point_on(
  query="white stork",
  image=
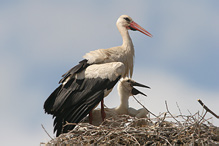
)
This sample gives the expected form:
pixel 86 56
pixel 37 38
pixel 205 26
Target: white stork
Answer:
pixel 86 84
pixel 125 89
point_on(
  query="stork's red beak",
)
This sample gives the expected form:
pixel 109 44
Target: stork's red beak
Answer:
pixel 134 26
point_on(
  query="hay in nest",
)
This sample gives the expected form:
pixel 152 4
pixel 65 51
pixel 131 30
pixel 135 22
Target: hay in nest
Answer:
pixel 164 129
pixel 126 130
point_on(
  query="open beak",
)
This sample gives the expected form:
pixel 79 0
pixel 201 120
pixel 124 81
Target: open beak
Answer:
pixel 139 85
pixel 134 26
pixel 135 91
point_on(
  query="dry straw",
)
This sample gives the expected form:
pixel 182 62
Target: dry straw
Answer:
pixel 164 129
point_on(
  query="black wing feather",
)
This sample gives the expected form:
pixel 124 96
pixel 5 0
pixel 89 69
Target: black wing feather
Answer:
pixel 76 69
pixel 79 104
pixel 49 104
pixel 75 98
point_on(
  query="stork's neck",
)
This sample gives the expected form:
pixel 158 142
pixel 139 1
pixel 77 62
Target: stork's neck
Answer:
pixel 127 50
pixel 124 104
pixel 127 41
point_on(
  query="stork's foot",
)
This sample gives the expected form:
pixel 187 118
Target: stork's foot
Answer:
pixel 90 117
pixel 103 114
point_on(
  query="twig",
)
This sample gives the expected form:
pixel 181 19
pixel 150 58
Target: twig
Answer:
pixel 46 131
pixel 181 115
pixel 164 117
pixel 171 114
pixel 207 109
pixel 203 117
pixel 133 138
pixel 118 130
pixel 202 113
pixel 102 137
pixel 69 124
pixel 165 140
pixel 160 122
pixel 144 106
pixel 178 108
pixel 192 116
pixel 207 120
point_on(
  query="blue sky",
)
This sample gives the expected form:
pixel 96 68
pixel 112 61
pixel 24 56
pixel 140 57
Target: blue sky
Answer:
pixel 41 40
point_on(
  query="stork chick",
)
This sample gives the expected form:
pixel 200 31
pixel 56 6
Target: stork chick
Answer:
pixel 125 90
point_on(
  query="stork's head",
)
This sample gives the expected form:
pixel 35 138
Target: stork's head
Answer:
pixel 127 22
pixel 126 85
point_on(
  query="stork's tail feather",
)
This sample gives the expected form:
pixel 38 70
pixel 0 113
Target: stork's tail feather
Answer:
pixel 49 103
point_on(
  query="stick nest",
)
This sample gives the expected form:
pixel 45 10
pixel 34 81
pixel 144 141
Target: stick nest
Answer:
pixel 126 130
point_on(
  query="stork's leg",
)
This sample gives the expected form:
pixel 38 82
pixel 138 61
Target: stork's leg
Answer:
pixel 90 117
pixel 103 114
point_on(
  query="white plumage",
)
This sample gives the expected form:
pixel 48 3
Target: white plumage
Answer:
pixel 125 90
pixel 86 84
pixel 124 53
pixel 109 71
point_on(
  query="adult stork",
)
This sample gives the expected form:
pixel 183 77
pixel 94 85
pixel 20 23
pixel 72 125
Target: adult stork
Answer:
pixel 86 84
pixel 126 88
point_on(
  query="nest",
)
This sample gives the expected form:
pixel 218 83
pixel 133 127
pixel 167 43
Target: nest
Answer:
pixel 165 129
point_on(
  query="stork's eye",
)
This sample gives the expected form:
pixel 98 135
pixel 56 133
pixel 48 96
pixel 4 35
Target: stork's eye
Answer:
pixel 127 19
